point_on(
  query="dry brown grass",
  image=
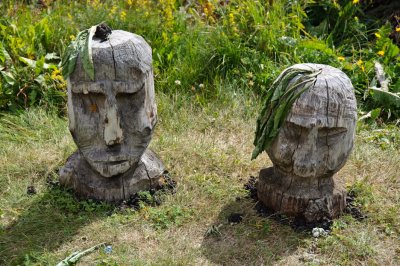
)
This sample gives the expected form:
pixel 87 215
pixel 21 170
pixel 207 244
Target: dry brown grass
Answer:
pixel 207 151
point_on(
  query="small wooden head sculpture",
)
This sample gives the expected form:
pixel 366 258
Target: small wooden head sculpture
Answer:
pixel 112 117
pixel 317 135
pixel 313 142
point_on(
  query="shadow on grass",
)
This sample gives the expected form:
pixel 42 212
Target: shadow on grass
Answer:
pixel 51 219
pixel 254 240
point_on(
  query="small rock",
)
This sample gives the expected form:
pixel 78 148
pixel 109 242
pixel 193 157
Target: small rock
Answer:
pixel 31 190
pixel 108 249
pixel 317 232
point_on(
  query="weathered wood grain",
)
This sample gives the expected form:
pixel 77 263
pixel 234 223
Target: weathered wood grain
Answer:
pixel 313 144
pixel 112 117
pixel 87 183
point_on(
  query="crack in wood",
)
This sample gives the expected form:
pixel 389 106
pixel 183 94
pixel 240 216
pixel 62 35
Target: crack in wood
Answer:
pixel 297 146
pixel 148 175
pixel 327 123
pixel 115 65
pixel 123 189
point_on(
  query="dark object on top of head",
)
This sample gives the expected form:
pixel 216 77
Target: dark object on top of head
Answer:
pixel 102 32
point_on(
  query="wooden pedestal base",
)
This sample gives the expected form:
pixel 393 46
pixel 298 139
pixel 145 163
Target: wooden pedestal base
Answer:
pixel 312 199
pixel 87 183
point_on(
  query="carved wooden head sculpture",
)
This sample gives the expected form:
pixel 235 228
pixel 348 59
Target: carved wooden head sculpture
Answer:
pixel 307 128
pixel 317 135
pixel 112 117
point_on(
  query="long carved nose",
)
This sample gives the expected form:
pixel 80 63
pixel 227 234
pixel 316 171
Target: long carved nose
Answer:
pixel 112 129
pixel 305 156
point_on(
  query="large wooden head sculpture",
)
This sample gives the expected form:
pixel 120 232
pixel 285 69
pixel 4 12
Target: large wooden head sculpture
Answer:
pixel 112 114
pixel 111 118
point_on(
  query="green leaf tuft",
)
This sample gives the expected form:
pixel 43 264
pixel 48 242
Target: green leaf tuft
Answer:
pixel 80 46
pixel 290 84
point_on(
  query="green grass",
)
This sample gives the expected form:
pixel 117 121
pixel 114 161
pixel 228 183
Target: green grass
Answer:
pixel 225 57
pixel 206 146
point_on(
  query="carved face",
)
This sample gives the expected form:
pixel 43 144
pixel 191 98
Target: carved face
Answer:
pixel 318 134
pixel 112 118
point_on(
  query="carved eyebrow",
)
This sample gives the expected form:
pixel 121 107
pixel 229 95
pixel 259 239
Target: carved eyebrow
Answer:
pixel 331 131
pixel 127 87
pixel 86 87
pixel 100 87
pixel 289 123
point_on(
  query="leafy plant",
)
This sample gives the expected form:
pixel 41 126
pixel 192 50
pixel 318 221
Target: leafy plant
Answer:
pixel 80 46
pixel 284 91
pixel 165 217
pixel 199 45
pixel 26 79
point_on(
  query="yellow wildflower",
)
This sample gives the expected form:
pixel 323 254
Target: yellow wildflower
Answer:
pixel 58 79
pixel 208 9
pixel 72 37
pixel 94 3
pixel 381 53
pixel 175 37
pixel 165 36
pixel 377 35
pixel 168 15
pixel 129 2
pixel 360 64
pixel 231 19
pixel 205 10
pixel 31 55
pixel 113 10
pixel 123 15
pixel 356 1
pixel 398 29
pixel 56 72
pixel 340 58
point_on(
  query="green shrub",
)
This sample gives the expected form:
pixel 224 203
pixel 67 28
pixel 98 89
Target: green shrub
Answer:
pixel 198 45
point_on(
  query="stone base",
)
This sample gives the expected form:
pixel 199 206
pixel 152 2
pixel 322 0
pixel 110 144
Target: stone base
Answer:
pixel 87 183
pixel 312 199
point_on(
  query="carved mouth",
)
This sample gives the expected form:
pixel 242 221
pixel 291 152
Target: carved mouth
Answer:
pixel 116 162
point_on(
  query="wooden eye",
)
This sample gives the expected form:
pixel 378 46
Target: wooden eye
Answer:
pixel 293 131
pixel 330 136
